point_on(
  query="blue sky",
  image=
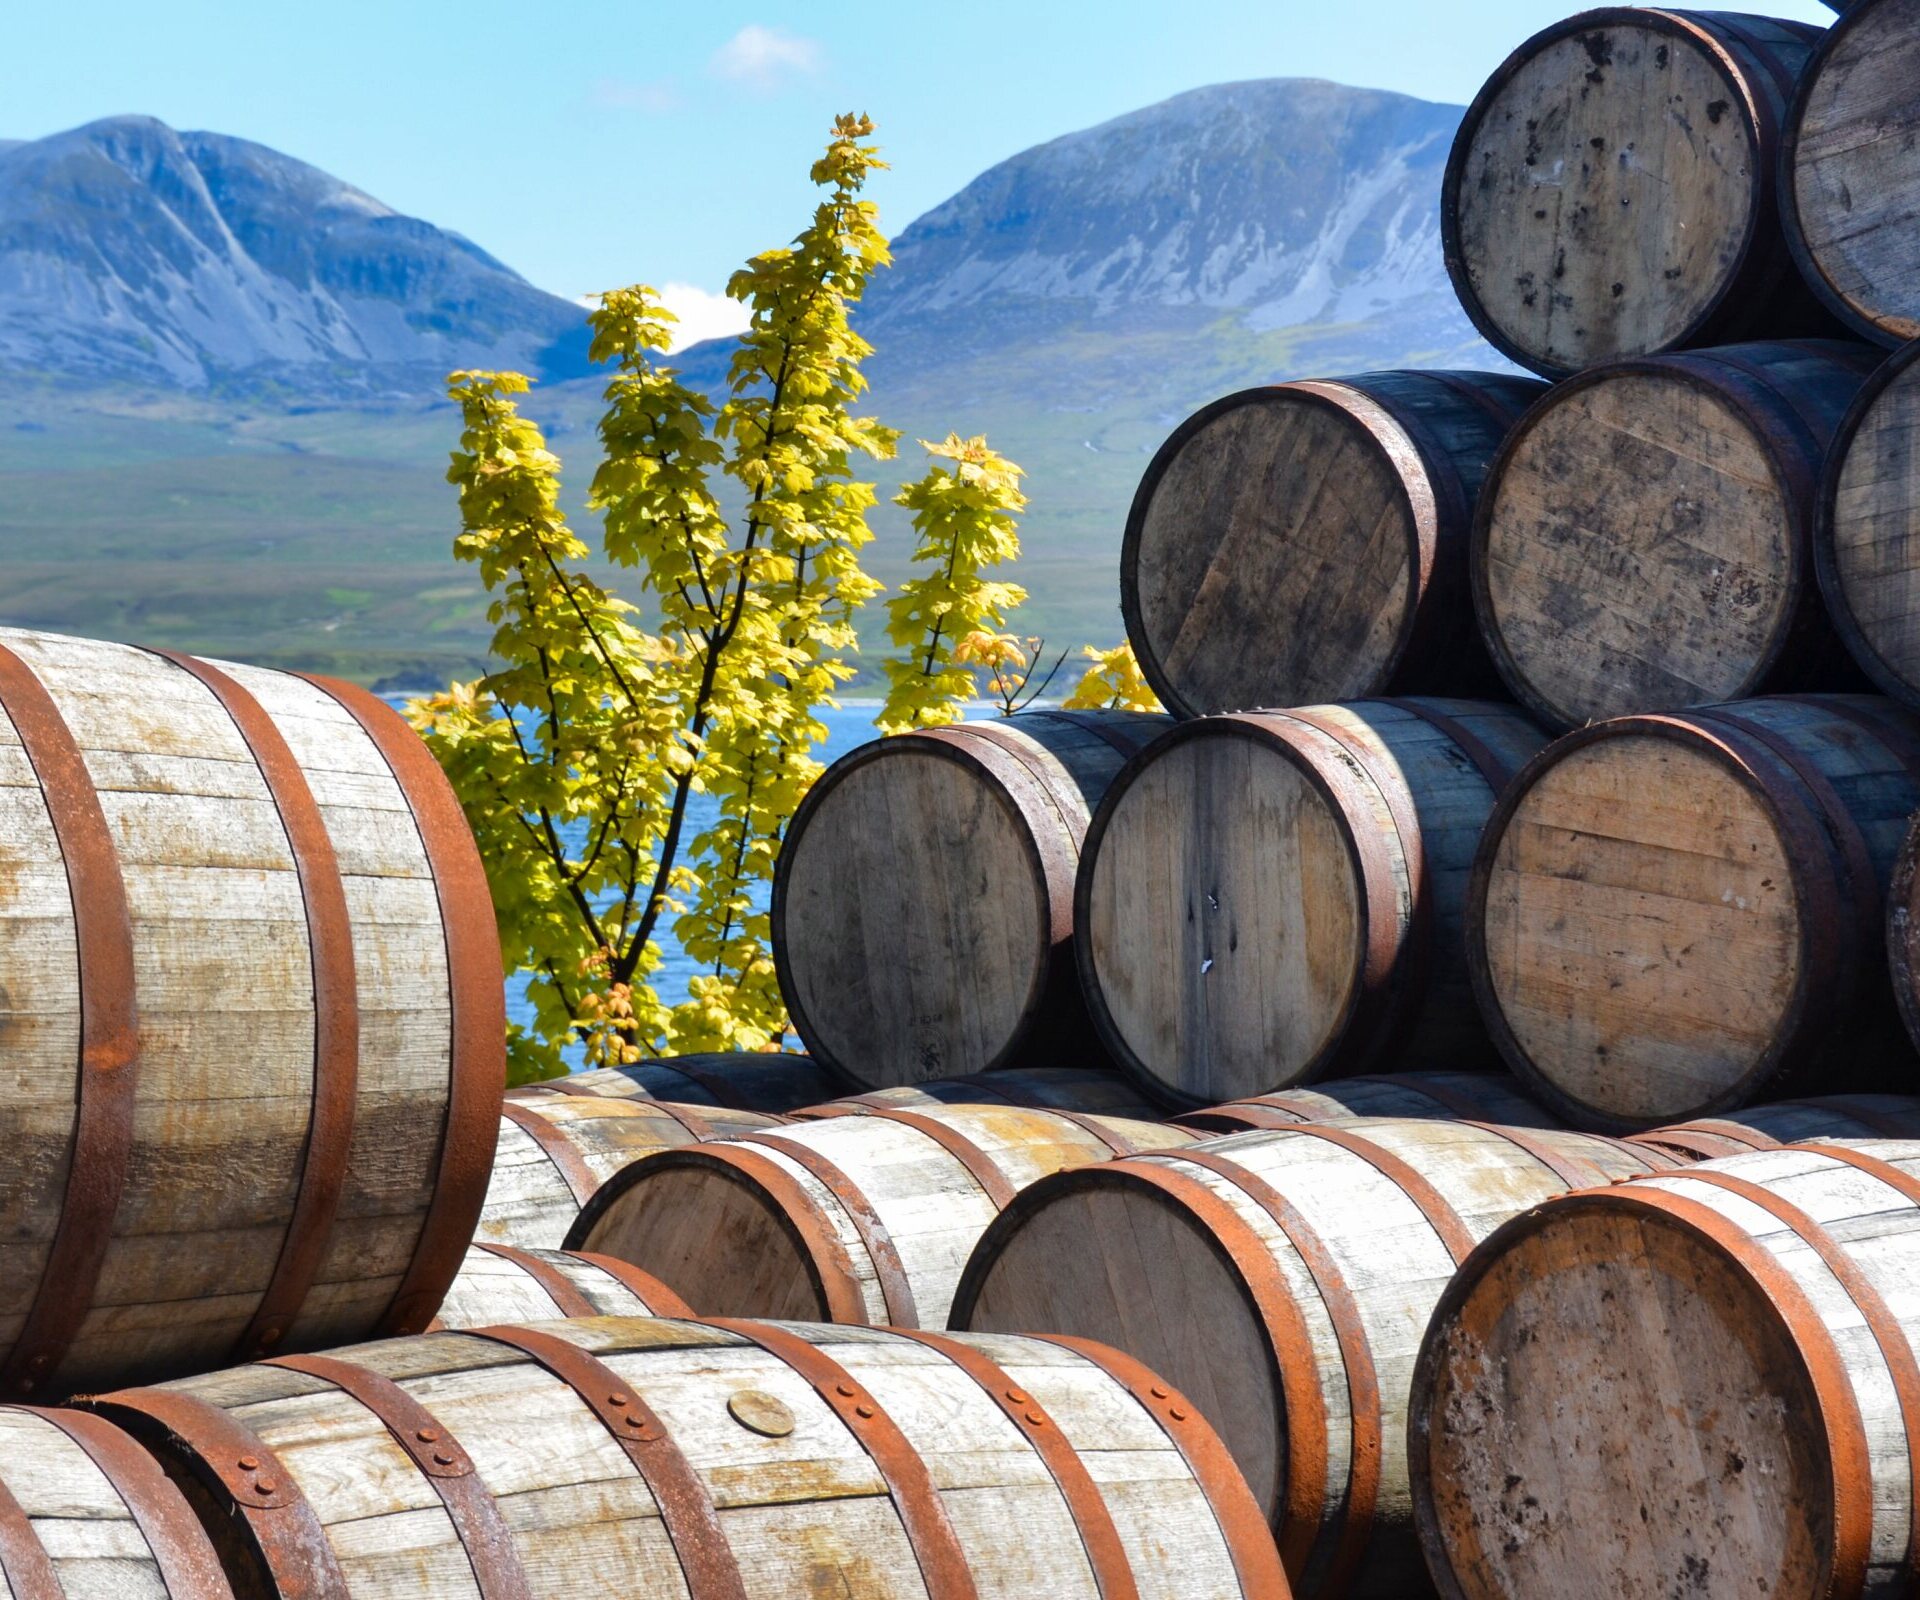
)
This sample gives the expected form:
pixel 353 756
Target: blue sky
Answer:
pixel 590 144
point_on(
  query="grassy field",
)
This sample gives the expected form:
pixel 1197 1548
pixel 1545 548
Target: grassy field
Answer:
pixel 322 539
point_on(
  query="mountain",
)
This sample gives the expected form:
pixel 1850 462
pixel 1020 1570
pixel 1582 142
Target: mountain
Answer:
pixel 261 472
pixel 133 253
pixel 1291 202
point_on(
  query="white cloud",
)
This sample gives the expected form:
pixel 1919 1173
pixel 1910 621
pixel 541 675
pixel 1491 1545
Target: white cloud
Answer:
pixel 656 99
pixel 760 56
pixel 702 313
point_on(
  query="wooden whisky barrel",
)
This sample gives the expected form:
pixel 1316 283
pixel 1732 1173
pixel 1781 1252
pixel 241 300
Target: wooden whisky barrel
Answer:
pixel 1850 198
pixel 1644 540
pixel 1611 190
pixel 1727 1344
pixel 555 1153
pixel 1446 1096
pixel 1840 1116
pixel 1048 1088
pixel 741 1081
pixel 1676 915
pixel 500 1283
pixel 86 1512
pixel 1308 541
pixel 862 1217
pixel 1281 1279
pixel 254 1017
pixel 923 904
pixel 723 1461
pixel 1867 524
pixel 1273 897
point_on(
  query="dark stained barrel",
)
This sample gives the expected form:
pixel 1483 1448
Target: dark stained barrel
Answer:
pixel 773 1082
pixel 1307 541
pixel 1611 190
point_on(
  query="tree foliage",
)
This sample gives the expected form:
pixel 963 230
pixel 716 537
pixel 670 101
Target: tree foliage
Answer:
pixel 1113 683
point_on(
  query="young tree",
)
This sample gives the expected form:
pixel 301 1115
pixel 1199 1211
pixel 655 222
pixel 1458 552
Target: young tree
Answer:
pixel 579 757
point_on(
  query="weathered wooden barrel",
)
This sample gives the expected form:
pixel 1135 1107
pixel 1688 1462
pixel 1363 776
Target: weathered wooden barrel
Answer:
pixel 1281 1279
pixel 1273 897
pixel 1677 915
pixel 863 1217
pixel 254 1018
pixel 1644 541
pixel 555 1153
pixel 86 1512
pixel 1903 930
pixel 725 1461
pixel 1698 1383
pixel 1867 527
pixel 1840 1116
pixel 923 904
pixel 1850 197
pixel 501 1283
pixel 1447 1096
pixel 1308 541
pixel 1611 190
pixel 1095 1089
pixel 741 1081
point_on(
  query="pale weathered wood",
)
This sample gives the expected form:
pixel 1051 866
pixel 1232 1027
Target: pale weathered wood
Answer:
pixel 803 1512
pixel 497 1288
pixel 1449 1096
pixel 1840 1116
pixel 1852 203
pixel 743 1240
pixel 224 995
pixel 1679 915
pixel 1677 1387
pixel 1644 539
pixel 532 1199
pixel 1182 1265
pixel 1610 190
pixel 1253 915
pixel 922 911
pixel 1308 541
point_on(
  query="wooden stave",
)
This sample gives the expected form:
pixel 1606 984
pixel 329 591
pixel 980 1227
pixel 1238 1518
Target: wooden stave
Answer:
pixel 1782 792
pixel 582 1141
pixel 1806 651
pixel 1391 986
pixel 1831 1117
pixel 1447 1096
pixel 1040 793
pixel 1323 1556
pixel 1764 293
pixel 773 1082
pixel 539 1285
pixel 1050 1378
pixel 1833 590
pixel 1099 1090
pixel 836 1229
pixel 1892 332
pixel 189 720
pixel 1686 1197
pixel 1433 652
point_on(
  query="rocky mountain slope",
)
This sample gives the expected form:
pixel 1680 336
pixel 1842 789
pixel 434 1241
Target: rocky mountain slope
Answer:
pixel 133 253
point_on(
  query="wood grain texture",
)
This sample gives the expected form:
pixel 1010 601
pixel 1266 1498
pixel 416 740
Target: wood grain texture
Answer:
pixel 796 1493
pixel 1048 1088
pixel 1732 1340
pixel 1645 538
pixel 775 1083
pixel 1867 529
pixel 1446 1096
pixel 1852 203
pixel 1678 915
pixel 923 906
pixel 224 994
pixel 1275 897
pixel 554 1152
pixel 1840 1116
pixel 505 1284
pixel 1282 1280
pixel 1307 541
pixel 1610 191
pixel 754 1229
